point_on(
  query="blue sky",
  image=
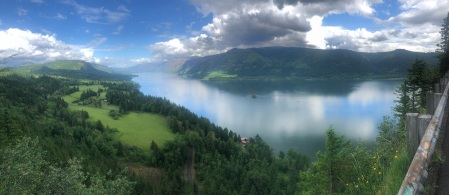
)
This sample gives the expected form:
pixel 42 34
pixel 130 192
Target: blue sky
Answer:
pixel 128 32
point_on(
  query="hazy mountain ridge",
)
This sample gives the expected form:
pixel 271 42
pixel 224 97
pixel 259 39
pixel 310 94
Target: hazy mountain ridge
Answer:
pixel 171 65
pixel 284 62
pixel 74 68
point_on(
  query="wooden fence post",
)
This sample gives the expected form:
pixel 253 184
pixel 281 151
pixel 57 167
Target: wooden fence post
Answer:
pixel 443 84
pixel 423 122
pixel 436 100
pixel 429 103
pixel 412 132
pixel 437 88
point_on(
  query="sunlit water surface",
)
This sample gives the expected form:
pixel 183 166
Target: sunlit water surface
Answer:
pixel 286 114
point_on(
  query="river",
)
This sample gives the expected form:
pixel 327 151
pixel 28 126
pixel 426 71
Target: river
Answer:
pixel 286 114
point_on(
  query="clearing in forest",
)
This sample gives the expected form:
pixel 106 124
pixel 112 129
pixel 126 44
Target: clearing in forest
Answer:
pixel 135 128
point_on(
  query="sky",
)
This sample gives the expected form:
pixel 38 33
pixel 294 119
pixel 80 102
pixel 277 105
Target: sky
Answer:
pixel 122 33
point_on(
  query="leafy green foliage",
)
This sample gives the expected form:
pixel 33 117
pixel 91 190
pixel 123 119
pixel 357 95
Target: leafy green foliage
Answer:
pixel 412 93
pixel 87 94
pixel 220 164
pixel 329 173
pixel 24 170
pixel 31 106
pixel 346 169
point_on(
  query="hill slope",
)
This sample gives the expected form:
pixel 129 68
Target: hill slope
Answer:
pixel 75 69
pixel 282 62
pixel 171 65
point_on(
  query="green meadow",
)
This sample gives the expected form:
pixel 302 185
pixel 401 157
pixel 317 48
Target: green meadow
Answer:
pixel 135 128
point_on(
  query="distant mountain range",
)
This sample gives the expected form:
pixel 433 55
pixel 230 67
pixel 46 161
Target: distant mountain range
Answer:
pixel 75 69
pixel 302 63
pixel 171 65
pixel 257 63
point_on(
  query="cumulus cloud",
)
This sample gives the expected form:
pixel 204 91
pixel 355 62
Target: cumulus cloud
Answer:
pixel 258 23
pixel 29 47
pixel 201 45
pixel 418 12
pixel 99 15
pixel 416 28
pixel 414 39
pixel 299 23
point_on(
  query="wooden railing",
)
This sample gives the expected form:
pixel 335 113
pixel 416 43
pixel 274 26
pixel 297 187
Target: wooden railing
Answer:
pixel 422 136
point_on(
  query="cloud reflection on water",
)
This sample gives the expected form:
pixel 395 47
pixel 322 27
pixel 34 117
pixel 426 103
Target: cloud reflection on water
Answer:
pixel 286 115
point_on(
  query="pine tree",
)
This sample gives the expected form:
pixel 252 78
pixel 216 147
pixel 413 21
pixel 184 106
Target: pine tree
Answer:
pixel 403 102
pixel 328 174
pixel 443 46
pixel 419 80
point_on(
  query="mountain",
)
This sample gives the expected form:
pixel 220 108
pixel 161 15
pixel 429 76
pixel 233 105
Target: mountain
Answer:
pixel 172 65
pixel 302 63
pixel 75 69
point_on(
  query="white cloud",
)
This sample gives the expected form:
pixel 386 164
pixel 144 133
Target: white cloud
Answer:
pixel 299 23
pixel 383 40
pixel 59 16
pixel 418 12
pixel 99 15
pixel 22 12
pixel 316 35
pixel 142 60
pixel 97 41
pixel 37 1
pixel 168 48
pixel 45 31
pixel 258 23
pixel 195 46
pixel 118 30
pixel 29 47
pixel 88 53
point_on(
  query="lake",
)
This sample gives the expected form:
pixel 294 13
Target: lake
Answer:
pixel 286 114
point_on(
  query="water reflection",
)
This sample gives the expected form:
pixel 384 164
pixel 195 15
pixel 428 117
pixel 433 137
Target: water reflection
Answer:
pixel 286 114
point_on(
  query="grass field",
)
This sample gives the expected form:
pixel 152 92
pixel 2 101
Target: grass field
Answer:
pixel 76 96
pixel 136 129
pixel 219 75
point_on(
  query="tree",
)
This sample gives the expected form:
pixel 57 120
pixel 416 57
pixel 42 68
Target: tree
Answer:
pixel 327 176
pixel 443 46
pixel 419 80
pixel 403 102
pixel 24 170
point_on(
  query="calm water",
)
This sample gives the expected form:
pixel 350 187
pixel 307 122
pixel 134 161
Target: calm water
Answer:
pixel 286 114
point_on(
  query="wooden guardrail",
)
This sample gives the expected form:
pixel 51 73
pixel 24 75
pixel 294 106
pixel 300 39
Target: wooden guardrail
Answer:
pixel 415 124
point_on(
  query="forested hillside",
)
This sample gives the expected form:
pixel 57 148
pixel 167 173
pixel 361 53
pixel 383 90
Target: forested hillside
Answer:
pixel 38 126
pixel 37 120
pixel 302 63
pixel 74 69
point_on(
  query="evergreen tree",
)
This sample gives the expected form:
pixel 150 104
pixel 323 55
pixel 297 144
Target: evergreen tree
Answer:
pixel 403 102
pixel 24 170
pixel 328 174
pixel 443 46
pixel 419 80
